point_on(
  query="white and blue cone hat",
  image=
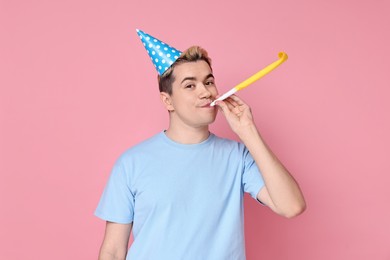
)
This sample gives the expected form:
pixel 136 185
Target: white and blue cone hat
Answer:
pixel 161 54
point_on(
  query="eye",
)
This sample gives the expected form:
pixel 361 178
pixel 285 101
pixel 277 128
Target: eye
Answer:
pixel 209 83
pixel 190 86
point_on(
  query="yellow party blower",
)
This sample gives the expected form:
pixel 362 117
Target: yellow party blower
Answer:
pixel 282 58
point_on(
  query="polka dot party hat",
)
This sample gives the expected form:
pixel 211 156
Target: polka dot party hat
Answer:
pixel 161 54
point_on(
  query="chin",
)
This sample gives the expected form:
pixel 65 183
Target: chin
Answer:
pixel 207 122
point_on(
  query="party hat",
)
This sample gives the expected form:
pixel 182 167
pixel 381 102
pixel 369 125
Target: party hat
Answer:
pixel 161 54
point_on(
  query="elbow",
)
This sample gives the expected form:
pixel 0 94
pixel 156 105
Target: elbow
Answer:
pixel 112 254
pixel 294 210
pixel 106 256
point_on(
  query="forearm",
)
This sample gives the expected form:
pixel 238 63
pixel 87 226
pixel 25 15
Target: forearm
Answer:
pixel 115 242
pixel 283 190
pixel 107 255
pixel 282 193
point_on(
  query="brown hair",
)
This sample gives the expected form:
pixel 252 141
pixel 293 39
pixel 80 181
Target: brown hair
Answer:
pixel 192 54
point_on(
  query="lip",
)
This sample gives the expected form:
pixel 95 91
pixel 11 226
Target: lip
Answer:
pixel 207 105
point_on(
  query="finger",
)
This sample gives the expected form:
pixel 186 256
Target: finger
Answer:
pixel 234 110
pixel 230 105
pixel 235 107
pixel 241 104
pixel 237 99
pixel 223 106
pixel 232 101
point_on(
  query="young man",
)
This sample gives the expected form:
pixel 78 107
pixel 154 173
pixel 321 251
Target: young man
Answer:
pixel 181 191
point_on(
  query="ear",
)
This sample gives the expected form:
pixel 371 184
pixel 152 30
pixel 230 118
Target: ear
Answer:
pixel 167 101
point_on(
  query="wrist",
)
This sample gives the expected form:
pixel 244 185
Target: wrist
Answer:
pixel 248 132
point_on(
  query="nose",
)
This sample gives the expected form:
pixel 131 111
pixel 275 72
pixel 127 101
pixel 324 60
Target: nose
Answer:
pixel 204 92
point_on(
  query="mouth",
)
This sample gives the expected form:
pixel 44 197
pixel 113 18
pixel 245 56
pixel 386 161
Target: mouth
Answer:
pixel 206 105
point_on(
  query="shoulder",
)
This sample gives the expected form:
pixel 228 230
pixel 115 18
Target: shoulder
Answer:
pixel 135 158
pixel 226 142
pixel 229 145
pixel 149 143
pixel 143 148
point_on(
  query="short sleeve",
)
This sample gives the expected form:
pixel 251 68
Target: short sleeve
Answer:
pixel 252 180
pixel 117 202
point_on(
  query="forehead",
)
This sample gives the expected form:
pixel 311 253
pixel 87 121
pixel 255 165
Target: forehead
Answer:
pixel 196 69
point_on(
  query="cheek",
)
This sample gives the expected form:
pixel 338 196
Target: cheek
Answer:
pixel 214 91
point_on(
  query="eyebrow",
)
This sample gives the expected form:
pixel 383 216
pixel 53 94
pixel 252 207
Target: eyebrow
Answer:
pixel 194 78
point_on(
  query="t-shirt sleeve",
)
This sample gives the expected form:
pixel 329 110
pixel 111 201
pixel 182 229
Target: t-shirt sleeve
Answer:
pixel 117 201
pixel 251 178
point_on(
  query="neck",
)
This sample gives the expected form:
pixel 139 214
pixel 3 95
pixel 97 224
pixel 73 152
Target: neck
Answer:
pixel 188 135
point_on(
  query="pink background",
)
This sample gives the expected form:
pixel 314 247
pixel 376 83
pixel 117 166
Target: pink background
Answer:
pixel 77 89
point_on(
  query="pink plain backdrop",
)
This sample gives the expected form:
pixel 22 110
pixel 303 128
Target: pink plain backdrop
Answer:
pixel 77 89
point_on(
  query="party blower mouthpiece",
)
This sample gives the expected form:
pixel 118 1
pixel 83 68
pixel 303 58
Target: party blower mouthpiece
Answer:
pixel 282 58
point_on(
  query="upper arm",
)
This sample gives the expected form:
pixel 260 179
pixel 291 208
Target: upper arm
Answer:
pixel 116 240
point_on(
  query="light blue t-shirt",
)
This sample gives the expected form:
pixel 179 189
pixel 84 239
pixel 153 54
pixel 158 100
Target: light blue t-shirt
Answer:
pixel 185 201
